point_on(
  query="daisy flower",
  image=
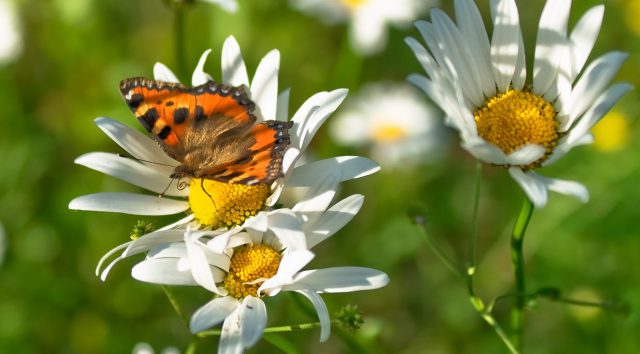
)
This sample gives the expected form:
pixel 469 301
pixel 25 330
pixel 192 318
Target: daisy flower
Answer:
pixel 401 128
pixel 481 87
pixel 150 167
pixel 368 18
pixel 252 264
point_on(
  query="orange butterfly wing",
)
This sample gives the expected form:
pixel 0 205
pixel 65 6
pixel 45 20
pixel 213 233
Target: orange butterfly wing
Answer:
pixel 209 129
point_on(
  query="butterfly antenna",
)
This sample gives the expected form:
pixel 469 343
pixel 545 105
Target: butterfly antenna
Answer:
pixel 141 160
pixel 167 187
pixel 207 193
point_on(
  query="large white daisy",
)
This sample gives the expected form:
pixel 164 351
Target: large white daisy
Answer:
pixel 243 266
pixel 368 18
pixel 399 126
pixel 233 202
pixel 481 86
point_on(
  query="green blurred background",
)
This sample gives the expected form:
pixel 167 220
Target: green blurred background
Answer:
pixel 76 52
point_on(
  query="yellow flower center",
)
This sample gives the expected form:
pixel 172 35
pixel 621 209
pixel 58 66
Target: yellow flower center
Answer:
pixel 387 133
pixel 514 119
pixel 250 266
pixel 218 204
pixel 353 4
pixel 612 132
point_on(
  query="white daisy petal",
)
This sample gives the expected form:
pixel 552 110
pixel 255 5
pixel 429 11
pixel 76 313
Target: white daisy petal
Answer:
pixel 99 271
pixel 598 109
pixel 520 74
pixel 591 84
pixel 330 103
pixel 562 148
pixel 534 188
pixel 552 34
pixel 231 336
pixel 131 171
pixel 457 53
pixel 319 196
pixel 253 316
pixel 505 42
pixel 321 309
pixel 234 71
pixel 282 110
pixel 329 222
pixel 200 77
pixel 485 151
pixel 152 239
pixel 368 33
pixel 339 280
pixel 290 264
pixel 470 23
pixel 583 37
pixel 288 228
pixel 212 313
pixel 200 268
pixel 162 271
pixel 264 87
pixel 349 167
pixel 128 203
pixel 571 188
pixel 162 73
pixel 137 144
pixel 526 155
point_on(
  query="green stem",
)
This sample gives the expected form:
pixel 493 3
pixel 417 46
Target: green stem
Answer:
pixel 517 258
pixel 277 329
pixel 483 310
pixel 176 306
pixel 471 267
pixel 444 258
pixel 191 349
pixel 179 37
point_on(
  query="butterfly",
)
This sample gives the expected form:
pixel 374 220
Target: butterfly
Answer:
pixel 210 129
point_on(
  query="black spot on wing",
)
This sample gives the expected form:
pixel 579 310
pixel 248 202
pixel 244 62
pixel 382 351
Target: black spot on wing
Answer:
pixel 149 118
pixel 169 103
pixel 135 101
pixel 200 116
pixel 180 115
pixel 164 133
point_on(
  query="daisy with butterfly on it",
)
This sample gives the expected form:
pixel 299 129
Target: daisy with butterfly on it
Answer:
pixel 481 87
pixel 215 204
pixel 244 269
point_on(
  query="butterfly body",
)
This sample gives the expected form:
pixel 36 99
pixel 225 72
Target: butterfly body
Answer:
pixel 210 129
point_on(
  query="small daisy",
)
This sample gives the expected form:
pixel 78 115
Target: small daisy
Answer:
pixel 368 18
pixel 251 264
pixel 150 167
pixel 401 128
pixel 480 85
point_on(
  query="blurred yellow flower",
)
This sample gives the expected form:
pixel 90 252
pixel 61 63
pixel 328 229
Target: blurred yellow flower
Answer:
pixel 612 133
pixel 631 15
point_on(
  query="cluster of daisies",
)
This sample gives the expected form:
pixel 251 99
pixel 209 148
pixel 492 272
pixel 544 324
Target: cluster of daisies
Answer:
pixel 240 248
pixel 243 248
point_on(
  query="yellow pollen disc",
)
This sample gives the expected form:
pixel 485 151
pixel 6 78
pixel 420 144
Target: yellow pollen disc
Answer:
pixel 353 4
pixel 388 133
pixel 251 263
pixel 514 119
pixel 218 204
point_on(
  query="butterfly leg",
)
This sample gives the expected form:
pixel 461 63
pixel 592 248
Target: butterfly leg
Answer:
pixel 207 193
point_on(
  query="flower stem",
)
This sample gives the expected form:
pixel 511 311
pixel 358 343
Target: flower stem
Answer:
pixel 191 349
pixel 276 329
pixel 444 258
pixel 483 310
pixel 176 306
pixel 179 38
pixel 517 258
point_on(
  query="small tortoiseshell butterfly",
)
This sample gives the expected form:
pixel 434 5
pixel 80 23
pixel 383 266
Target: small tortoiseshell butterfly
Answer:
pixel 211 129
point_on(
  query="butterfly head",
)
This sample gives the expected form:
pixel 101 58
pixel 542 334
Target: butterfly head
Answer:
pixel 182 171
